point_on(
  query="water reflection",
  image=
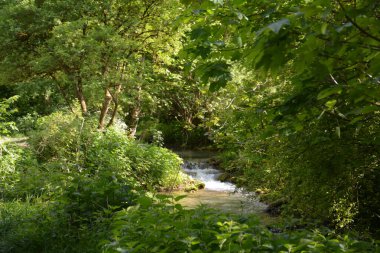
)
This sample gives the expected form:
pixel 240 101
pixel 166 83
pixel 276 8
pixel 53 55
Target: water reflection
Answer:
pixel 226 201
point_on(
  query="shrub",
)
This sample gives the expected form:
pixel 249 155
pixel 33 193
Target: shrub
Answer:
pixel 45 227
pixel 314 173
pixel 62 137
pixel 10 155
pixel 7 126
pixel 70 143
pixel 88 170
pixel 27 122
pixel 149 166
pixel 152 227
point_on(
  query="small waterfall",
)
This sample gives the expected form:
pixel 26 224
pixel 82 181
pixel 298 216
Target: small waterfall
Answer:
pixel 208 174
pixel 221 195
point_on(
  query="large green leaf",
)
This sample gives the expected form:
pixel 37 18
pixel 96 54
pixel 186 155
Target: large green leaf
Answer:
pixel 276 26
pixel 328 92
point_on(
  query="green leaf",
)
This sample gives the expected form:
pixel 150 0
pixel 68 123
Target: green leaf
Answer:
pixel 269 132
pixel 178 198
pixel 328 92
pixel 145 201
pixel 178 207
pixel 337 131
pixel 343 27
pixel 186 2
pixel 201 51
pixel 356 119
pixel 239 41
pixel 324 28
pixel 241 15
pixel 330 104
pixel 218 84
pixel 276 26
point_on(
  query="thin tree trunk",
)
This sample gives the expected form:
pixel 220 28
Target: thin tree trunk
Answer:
pixel 133 121
pixel 113 115
pixel 134 114
pixel 116 105
pixel 80 96
pixel 105 108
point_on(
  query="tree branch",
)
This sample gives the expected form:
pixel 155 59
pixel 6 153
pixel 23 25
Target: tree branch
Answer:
pixel 356 24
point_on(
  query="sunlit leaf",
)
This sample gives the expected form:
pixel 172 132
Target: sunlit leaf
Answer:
pixel 337 130
pixel 328 92
pixel 276 26
pixel 178 198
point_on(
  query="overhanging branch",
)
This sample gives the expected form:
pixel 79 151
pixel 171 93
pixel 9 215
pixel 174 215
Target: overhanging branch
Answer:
pixel 362 30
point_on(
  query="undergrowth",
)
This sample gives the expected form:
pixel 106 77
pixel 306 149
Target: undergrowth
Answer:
pixel 74 189
pixel 168 227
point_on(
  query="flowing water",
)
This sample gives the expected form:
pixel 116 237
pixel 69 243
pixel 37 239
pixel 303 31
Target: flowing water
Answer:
pixel 217 194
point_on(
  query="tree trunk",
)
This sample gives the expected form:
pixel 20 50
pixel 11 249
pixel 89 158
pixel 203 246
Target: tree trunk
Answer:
pixel 116 105
pixel 133 121
pixel 105 107
pixel 134 114
pixel 80 96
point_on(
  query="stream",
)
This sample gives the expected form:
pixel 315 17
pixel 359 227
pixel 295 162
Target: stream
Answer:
pixel 219 195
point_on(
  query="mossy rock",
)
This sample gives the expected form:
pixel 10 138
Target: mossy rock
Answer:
pixel 191 188
pixel 200 185
pixel 195 186
pixel 224 177
pixel 260 191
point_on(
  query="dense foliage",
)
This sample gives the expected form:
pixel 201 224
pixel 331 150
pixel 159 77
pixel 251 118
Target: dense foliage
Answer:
pixel 91 91
pixel 6 125
pixel 158 225
pixel 302 121
pixel 59 192
pixel 169 228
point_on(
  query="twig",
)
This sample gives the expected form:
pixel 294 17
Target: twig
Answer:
pixel 356 24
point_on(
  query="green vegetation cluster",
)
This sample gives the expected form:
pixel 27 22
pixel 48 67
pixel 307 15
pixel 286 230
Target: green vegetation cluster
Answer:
pixel 167 227
pixel 76 189
pixel 298 83
pixel 65 185
pixel 287 91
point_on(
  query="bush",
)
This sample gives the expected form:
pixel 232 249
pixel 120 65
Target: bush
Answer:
pixel 87 170
pixel 45 227
pixel 62 137
pixel 62 189
pixel 152 227
pixel 10 155
pixel 6 125
pixel 148 166
pixel 27 123
pixel 315 173
pixel 70 143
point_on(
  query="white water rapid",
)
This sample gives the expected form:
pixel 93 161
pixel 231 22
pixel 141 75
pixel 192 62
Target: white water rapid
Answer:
pixel 208 174
pixel 220 195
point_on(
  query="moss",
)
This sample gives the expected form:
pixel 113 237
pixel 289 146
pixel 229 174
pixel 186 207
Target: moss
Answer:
pixel 194 185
